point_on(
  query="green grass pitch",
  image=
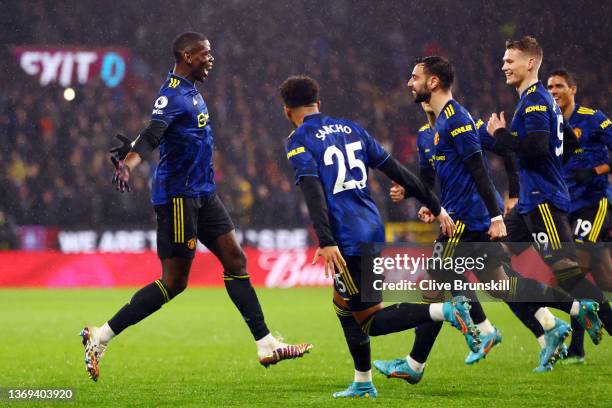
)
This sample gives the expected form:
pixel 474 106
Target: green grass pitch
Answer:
pixel 197 351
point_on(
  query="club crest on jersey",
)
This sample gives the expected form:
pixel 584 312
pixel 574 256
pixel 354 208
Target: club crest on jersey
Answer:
pixel 578 132
pixel 191 244
pixel 337 128
pixel 436 138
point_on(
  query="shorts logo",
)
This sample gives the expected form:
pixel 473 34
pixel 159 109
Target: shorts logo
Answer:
pixel 191 244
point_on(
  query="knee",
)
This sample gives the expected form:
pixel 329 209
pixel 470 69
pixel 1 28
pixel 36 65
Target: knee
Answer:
pixel 236 266
pixel 175 286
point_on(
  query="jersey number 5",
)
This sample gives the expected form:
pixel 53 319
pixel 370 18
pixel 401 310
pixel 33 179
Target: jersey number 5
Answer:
pixel 341 183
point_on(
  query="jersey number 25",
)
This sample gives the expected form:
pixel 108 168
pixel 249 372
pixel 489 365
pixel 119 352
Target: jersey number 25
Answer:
pixel 341 183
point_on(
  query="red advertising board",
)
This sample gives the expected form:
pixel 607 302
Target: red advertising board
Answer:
pixel 275 269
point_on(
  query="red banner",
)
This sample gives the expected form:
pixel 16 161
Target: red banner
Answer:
pixel 274 269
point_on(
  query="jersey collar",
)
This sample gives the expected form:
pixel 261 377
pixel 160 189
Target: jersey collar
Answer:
pixel 529 87
pixel 171 74
pixel 311 116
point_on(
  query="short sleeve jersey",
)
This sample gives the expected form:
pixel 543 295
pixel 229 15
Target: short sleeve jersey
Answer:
pixel 185 166
pixel 540 180
pixel 340 152
pixel 594 132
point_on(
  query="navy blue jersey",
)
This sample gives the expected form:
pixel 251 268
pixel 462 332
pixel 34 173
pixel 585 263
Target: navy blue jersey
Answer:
pixel 455 140
pixel 594 132
pixel 425 147
pixel 185 164
pixel 339 152
pixel 543 180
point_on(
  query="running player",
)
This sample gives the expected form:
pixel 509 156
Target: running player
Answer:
pixel 187 208
pixel 331 158
pixel 467 189
pixel 586 176
pixel 537 136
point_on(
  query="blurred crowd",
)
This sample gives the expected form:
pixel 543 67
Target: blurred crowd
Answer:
pixel 54 161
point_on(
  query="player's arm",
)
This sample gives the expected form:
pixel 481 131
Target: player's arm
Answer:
pixel 534 145
pixel 467 145
pixel 489 143
pixel 307 177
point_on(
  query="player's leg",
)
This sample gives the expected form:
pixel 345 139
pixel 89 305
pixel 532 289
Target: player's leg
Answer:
pixel 551 229
pixel 215 229
pixel 589 226
pixel 359 346
pixel 175 220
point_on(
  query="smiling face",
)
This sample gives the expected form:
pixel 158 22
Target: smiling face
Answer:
pixel 517 65
pixel 561 91
pixel 199 60
pixel 418 84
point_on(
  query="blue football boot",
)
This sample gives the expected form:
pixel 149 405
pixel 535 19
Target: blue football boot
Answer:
pixel 488 342
pixel 358 390
pixel 457 313
pixel 398 368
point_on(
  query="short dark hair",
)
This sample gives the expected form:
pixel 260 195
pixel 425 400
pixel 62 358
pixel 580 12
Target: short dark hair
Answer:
pixel 299 90
pixel 564 73
pixel 440 67
pixel 185 42
pixel 528 45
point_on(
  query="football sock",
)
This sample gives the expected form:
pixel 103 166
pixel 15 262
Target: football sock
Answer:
pixel 357 341
pixel 243 295
pixel 146 301
pixel 398 317
pixel 546 319
pixel 485 327
pixel 576 346
pixel 425 336
pixel 106 333
pixel 415 365
pixel 363 376
pixel 529 290
pixel 526 314
pixel 542 341
pixel 477 313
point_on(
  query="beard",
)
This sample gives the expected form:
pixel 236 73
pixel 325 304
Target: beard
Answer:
pixel 423 96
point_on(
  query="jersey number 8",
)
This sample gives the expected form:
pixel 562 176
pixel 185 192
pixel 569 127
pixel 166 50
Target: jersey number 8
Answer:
pixel 341 183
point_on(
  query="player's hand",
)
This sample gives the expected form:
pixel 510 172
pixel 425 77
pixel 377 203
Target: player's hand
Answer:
pixel 496 122
pixel 426 215
pixel 584 176
pixel 397 192
pixel 332 257
pixel 509 204
pixel 121 151
pixel 497 230
pixel 446 223
pixel 121 176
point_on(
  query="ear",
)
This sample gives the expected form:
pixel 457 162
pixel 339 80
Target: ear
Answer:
pixel 433 82
pixel 187 57
pixel 531 64
pixel 287 112
pixel 573 90
pixel 319 105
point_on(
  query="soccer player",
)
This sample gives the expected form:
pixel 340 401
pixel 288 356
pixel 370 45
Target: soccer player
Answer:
pixel 536 136
pixel 331 158
pixel 586 176
pixel 186 206
pixel 455 152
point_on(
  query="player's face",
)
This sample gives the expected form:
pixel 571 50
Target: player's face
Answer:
pixel 516 67
pixel 200 60
pixel 418 84
pixel 561 91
